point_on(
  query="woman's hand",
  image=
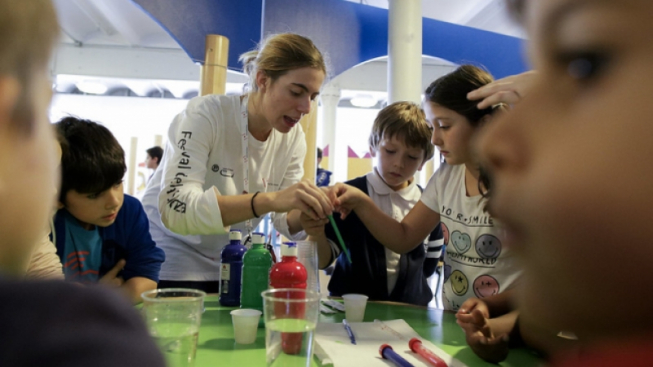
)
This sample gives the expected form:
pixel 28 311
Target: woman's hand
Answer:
pixel 305 197
pixel 509 90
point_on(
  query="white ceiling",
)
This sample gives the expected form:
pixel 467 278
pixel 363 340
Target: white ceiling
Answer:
pixel 114 42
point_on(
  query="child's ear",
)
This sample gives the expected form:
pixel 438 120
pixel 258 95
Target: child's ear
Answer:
pixel 10 90
pixel 372 152
pixel 60 205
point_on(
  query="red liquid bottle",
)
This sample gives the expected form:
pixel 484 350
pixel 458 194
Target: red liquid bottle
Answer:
pixel 289 273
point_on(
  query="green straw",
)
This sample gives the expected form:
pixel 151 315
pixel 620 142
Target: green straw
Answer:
pixel 342 243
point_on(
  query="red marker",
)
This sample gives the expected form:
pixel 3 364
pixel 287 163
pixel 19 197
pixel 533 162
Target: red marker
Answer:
pixel 416 346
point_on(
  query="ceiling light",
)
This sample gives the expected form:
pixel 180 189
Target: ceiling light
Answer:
pixel 363 100
pixel 91 87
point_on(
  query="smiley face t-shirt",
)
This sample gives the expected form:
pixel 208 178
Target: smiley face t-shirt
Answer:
pixel 476 264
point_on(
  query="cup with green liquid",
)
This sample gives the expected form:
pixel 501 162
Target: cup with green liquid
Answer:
pixel 173 317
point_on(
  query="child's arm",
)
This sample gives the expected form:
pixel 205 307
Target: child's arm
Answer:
pixel 143 259
pixel 434 246
pixel 400 237
pixel 135 286
pixel 44 262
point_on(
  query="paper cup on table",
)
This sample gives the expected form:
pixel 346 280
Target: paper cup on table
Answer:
pixel 354 307
pixel 245 323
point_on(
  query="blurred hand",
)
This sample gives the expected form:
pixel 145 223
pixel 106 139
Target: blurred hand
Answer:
pixel 311 226
pixel 470 305
pixel 480 337
pixel 509 90
pixel 306 197
pixel 111 278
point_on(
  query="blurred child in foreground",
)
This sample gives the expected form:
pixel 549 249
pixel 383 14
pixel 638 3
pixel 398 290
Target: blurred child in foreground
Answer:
pixel 46 323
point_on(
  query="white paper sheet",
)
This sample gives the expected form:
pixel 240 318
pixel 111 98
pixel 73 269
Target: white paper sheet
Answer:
pixel 333 347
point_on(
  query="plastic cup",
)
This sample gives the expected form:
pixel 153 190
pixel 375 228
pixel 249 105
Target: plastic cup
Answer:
pixel 307 255
pixel 354 306
pixel 290 319
pixel 173 317
pixel 245 323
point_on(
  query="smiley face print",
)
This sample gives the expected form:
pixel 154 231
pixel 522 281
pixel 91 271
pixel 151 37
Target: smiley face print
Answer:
pixel 461 241
pixel 485 286
pixel 459 283
pixel 488 246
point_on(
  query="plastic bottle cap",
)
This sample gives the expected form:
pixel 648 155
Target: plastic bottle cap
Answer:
pixel 235 235
pixel 382 348
pixel 289 249
pixel 258 238
pixel 414 344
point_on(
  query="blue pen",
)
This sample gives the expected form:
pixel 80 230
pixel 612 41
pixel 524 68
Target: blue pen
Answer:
pixel 389 354
pixel 348 328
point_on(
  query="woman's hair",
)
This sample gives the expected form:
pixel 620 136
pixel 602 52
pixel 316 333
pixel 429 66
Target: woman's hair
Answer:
pixel 406 121
pixel 279 53
pixel 450 91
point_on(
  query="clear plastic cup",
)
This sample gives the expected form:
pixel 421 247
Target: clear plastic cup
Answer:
pixel 307 255
pixel 354 306
pixel 173 317
pixel 245 323
pixel 290 319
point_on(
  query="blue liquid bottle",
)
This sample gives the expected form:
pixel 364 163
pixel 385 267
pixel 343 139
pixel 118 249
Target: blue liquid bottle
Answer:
pixel 231 266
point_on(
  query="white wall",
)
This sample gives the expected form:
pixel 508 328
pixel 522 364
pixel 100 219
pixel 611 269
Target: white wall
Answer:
pixel 353 126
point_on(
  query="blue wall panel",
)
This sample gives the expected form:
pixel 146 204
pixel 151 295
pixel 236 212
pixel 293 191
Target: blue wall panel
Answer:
pixel 347 33
pixel 189 21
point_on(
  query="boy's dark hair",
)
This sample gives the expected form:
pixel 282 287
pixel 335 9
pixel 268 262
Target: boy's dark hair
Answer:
pixel 92 160
pixel 406 121
pixel 156 152
pixel 28 32
pixel 319 153
pixel 450 91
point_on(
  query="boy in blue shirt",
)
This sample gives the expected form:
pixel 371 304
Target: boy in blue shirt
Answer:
pixel 401 143
pixel 102 235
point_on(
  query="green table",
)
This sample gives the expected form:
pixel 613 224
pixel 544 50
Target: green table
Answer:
pixel 216 345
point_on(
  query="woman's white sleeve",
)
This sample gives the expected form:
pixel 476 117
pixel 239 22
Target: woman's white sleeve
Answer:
pixel 294 174
pixel 186 208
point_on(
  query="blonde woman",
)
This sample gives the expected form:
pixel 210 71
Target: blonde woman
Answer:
pixel 232 159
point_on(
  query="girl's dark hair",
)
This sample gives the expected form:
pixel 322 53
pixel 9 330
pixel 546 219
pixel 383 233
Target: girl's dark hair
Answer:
pixel 450 91
pixel 92 160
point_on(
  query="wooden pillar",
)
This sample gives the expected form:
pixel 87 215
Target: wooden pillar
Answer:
pixel 214 71
pixel 309 125
pixel 131 172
